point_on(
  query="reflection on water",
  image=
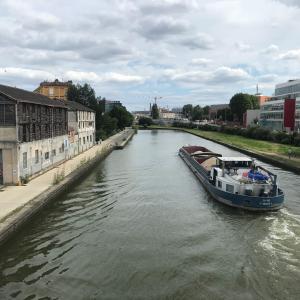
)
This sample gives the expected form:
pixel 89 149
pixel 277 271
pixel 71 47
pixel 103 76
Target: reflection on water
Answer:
pixel 141 226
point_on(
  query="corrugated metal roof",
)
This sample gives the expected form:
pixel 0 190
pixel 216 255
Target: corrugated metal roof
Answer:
pixel 21 95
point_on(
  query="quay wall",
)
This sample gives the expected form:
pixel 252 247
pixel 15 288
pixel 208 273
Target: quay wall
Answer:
pixel 18 218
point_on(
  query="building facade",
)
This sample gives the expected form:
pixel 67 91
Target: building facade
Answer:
pixel 54 90
pixel 166 114
pixel 108 105
pixel 275 113
pixel 81 128
pixel 251 117
pixel 33 133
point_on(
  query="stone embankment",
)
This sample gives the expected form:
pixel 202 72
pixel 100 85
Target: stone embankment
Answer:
pixel 19 203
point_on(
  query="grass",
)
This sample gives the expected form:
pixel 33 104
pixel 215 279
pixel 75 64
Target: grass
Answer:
pixel 274 150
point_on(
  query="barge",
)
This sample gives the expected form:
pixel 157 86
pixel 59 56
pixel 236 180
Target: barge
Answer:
pixel 235 181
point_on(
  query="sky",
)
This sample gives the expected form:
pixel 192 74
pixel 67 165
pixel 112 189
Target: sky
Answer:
pixel 184 51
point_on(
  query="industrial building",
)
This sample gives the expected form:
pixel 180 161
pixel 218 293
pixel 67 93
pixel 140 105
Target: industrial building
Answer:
pixel 33 133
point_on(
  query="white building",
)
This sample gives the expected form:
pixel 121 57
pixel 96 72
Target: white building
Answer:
pixel 81 128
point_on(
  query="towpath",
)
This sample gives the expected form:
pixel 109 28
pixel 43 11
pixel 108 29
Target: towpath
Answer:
pixel 13 198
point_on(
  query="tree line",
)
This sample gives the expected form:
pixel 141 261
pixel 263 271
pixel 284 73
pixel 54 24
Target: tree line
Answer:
pixel 107 123
pixel 238 105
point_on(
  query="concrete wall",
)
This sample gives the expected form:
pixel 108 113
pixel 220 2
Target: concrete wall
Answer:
pixel 8 134
pixel 10 162
pixel 57 149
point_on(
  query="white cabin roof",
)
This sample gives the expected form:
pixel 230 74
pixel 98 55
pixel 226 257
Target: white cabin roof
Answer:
pixel 243 158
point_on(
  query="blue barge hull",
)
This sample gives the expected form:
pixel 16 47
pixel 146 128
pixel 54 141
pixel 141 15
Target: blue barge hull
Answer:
pixel 253 203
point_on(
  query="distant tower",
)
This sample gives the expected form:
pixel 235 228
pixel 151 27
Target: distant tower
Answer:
pixel 257 93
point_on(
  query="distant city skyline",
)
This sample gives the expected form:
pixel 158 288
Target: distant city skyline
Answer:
pixel 187 51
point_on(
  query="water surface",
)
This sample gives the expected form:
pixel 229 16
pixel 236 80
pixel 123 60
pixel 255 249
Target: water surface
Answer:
pixel 141 226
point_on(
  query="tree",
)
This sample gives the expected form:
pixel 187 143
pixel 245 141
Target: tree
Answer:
pixel 73 93
pixel 187 110
pixel 206 111
pixel 225 114
pixel 197 113
pixel 109 124
pixel 84 94
pixel 254 100
pixel 124 117
pixel 144 121
pixel 239 104
pixel 154 111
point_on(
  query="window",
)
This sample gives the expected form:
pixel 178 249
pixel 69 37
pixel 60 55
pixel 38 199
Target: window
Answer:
pixel 36 155
pixel 25 160
pixel 91 138
pixel 219 184
pixel 7 114
pixel 229 188
pixel 79 141
pixel 47 155
pixel 87 139
pixel 84 140
pixel 54 152
pixel 51 91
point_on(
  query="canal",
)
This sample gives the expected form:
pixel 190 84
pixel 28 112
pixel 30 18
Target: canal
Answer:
pixel 141 226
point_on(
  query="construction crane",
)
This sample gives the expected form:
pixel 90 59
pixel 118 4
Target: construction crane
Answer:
pixel 156 98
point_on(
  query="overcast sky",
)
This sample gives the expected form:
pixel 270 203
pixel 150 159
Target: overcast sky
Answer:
pixel 192 51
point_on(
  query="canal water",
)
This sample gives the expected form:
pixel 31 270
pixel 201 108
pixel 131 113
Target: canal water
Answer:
pixel 141 226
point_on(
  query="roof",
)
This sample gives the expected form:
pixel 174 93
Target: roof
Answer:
pixel 243 158
pixel 56 82
pixel 72 105
pixel 287 84
pixel 21 95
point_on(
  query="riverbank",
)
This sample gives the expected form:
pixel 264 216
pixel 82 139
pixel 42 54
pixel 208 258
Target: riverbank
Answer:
pixel 19 203
pixel 274 153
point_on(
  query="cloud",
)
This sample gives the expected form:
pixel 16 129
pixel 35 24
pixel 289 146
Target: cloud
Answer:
pixel 42 21
pixel 224 75
pixel 290 2
pixel 201 61
pixel 243 47
pixel 290 55
pixel 22 73
pixel 229 75
pixel 164 7
pixel 70 75
pixel 268 78
pixel 158 28
pixel 109 50
pixel 200 41
pixel 270 49
pixel 135 46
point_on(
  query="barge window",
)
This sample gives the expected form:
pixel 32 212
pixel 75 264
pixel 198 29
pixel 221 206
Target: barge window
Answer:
pixel 219 184
pixel 229 188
